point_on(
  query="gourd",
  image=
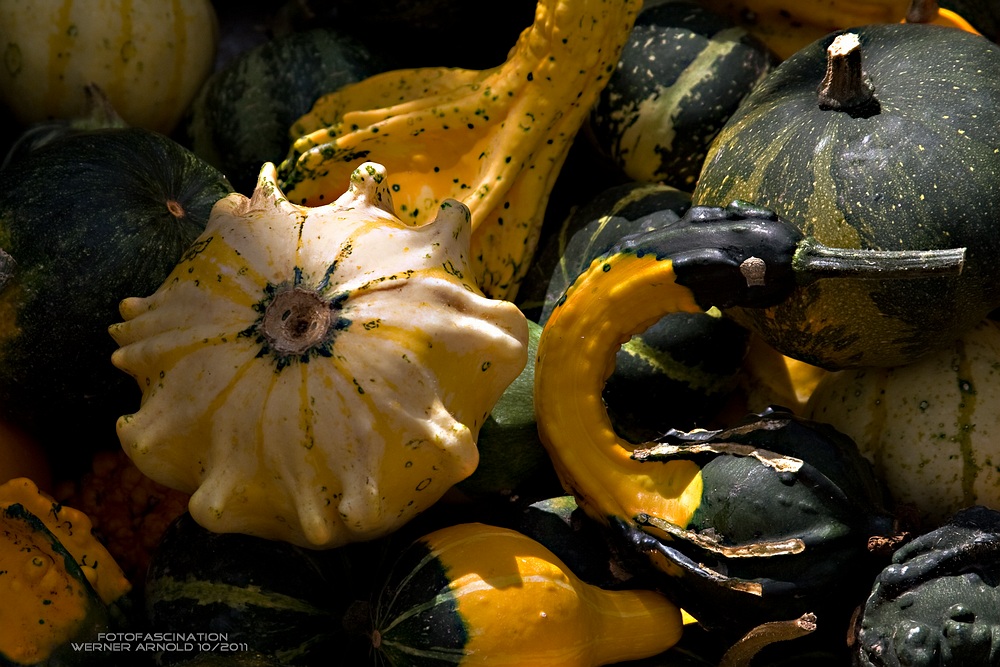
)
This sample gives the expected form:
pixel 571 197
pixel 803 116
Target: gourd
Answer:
pixel 494 139
pixel 73 529
pixel 48 602
pixel 906 162
pixel 284 76
pixel 58 582
pixel 693 357
pixel 149 57
pixel 936 603
pixel 713 256
pixel 681 75
pixel 786 27
pixel 87 219
pixel 474 594
pixel 317 375
pixel 272 597
pixel 785 506
pixel 930 428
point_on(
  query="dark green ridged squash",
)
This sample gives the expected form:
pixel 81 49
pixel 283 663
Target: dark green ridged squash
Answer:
pixel 788 506
pixel 88 219
pixel 938 603
pixel 279 601
pixel 901 155
pixel 681 75
pixel 240 117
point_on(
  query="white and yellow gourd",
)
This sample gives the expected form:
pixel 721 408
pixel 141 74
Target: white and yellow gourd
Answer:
pixel 316 375
pixel 494 139
pixel 149 57
pixel 930 428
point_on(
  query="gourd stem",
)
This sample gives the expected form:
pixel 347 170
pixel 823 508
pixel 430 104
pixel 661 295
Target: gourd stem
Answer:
pixel 922 11
pixel 845 86
pixel 814 260
pixel 743 651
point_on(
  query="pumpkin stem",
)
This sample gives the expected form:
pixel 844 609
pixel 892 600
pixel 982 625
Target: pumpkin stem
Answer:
pixel 922 11
pixel 845 85
pixel 296 321
pixel 743 651
pixel 813 261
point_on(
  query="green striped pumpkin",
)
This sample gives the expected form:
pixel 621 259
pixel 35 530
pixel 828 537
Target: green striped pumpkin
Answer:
pixel 914 166
pixel 274 599
pixel 680 77
pixel 283 77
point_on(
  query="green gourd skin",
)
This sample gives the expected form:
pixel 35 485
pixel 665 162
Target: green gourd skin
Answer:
pixel 118 208
pixel 284 77
pixel 681 75
pixel 913 168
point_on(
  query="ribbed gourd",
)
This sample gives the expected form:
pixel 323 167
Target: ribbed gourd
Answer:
pixel 474 594
pixel 930 427
pixel 494 139
pixel 150 57
pixel 316 374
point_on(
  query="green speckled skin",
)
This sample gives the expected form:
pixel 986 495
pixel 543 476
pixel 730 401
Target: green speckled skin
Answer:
pixel 680 77
pixel 919 174
pixel 86 220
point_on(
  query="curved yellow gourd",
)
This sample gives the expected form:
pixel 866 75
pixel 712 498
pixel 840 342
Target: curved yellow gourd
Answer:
pixel 149 57
pixel 518 605
pixel 493 139
pixel 317 375
pixel 576 355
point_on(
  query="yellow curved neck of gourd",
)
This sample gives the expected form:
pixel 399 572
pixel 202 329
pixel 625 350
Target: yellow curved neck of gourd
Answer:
pixel 576 354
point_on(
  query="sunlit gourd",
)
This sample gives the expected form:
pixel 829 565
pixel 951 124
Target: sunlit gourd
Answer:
pixel 316 375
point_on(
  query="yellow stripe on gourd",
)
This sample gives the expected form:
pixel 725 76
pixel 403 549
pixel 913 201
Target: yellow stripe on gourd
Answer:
pixel 576 355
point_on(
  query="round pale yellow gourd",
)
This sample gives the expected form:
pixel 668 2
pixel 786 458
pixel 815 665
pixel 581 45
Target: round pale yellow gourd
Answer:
pixel 317 375
pixel 148 56
pixel 931 428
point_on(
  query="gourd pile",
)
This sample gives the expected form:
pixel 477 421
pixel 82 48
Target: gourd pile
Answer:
pixel 654 333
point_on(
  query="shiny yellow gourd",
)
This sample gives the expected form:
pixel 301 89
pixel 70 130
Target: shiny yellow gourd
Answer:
pixel 517 604
pixel 317 375
pixel 493 139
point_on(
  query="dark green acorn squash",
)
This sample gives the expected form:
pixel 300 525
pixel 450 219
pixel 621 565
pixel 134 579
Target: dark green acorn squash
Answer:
pixel 938 603
pixel 88 219
pixel 898 151
pixel 270 597
pixel 240 117
pixel 681 75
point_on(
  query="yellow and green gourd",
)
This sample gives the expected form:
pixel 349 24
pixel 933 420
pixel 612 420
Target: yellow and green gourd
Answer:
pixel 316 374
pixel 56 579
pixel 474 594
pixel 494 139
